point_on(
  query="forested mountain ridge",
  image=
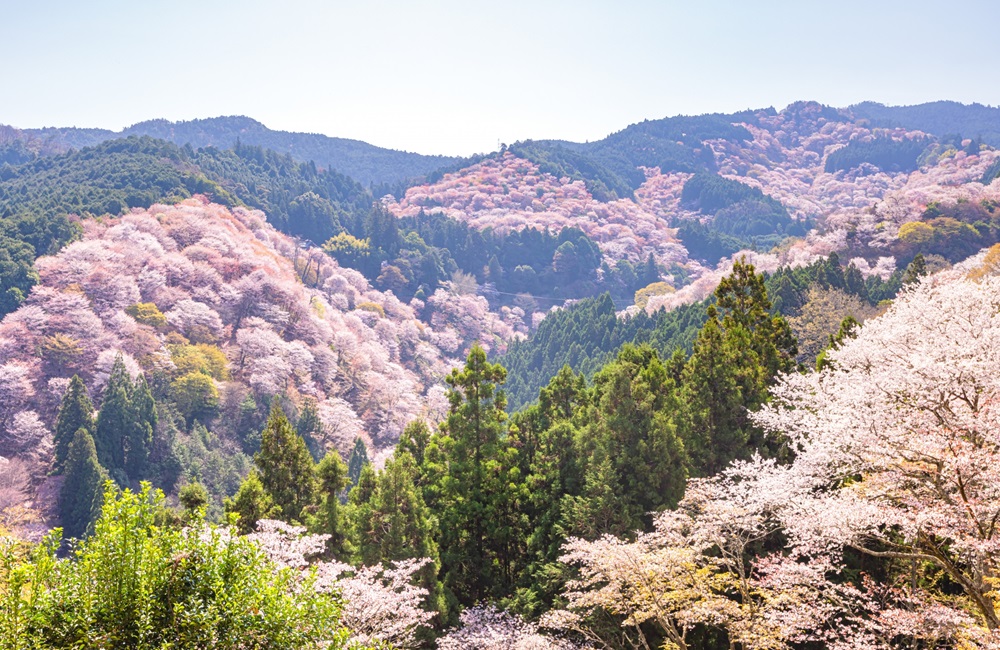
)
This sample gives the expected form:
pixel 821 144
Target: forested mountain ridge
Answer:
pixel 361 161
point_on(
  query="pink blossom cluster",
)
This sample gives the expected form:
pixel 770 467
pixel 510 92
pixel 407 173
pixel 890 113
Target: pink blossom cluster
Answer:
pixel 289 320
pixel 510 193
pixel 381 603
pixel 485 627
pixel 459 320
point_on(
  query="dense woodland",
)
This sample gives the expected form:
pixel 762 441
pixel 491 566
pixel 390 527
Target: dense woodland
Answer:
pixel 711 382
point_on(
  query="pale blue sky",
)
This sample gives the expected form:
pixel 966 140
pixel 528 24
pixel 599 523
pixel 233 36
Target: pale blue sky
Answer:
pixel 457 77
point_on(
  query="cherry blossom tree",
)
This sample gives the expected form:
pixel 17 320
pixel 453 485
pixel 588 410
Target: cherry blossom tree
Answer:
pixel 896 458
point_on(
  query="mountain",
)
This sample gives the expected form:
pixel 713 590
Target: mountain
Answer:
pixel 941 119
pixel 222 314
pixel 365 163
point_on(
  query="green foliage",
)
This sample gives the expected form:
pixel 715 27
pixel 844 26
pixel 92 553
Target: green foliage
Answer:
pixel 310 427
pixel 588 335
pixel 712 420
pixel 195 395
pixel 559 265
pixel 148 314
pixel 631 428
pixel 24 234
pixel 940 118
pixel 357 461
pixel 848 329
pixel 331 474
pixel 133 584
pixel 916 269
pixel 477 488
pixel 200 358
pixel 83 487
pixel 991 174
pixel 883 152
pixel 193 498
pixel 213 461
pixel 552 158
pixel 106 179
pixel 125 425
pixel 366 163
pixel 287 471
pixel 414 440
pixel 17 272
pixel 674 144
pixel 75 412
pixel 251 503
pixel 744 217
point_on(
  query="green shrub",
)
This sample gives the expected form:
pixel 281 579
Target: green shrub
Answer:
pixel 134 584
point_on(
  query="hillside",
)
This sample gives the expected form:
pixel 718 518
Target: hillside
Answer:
pixel 942 119
pixel 361 161
pixel 221 314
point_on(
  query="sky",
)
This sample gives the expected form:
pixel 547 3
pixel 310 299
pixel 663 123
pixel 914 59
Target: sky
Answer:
pixel 456 78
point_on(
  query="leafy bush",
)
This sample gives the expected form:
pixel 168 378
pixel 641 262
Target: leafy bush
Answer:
pixel 134 584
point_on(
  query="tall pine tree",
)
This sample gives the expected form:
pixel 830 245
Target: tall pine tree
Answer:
pixel 81 495
pixel 712 418
pixel 138 438
pixel 76 412
pixel 332 479
pixel 286 467
pixel 478 498
pixel 113 422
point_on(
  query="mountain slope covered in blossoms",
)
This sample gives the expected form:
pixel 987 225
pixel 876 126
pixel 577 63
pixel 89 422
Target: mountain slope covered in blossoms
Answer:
pixel 221 314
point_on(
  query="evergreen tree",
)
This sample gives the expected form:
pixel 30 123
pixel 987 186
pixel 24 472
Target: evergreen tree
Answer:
pixel 414 440
pixel 138 438
pixel 479 519
pixel 76 412
pixel 632 420
pixel 649 273
pixel 357 460
pixel 712 417
pixel 391 522
pixel 915 270
pixel 310 427
pixel 82 491
pixel 332 479
pixel 287 471
pixel 113 422
pixel 760 346
pixel 251 503
pixel 848 329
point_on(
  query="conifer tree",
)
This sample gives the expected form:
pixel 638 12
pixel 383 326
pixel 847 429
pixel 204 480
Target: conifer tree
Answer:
pixel 634 402
pixel 76 412
pixel 332 479
pixel 310 427
pixel 251 503
pixel 287 471
pixel 759 347
pixel 414 440
pixel 915 270
pixel 357 460
pixel 113 421
pixel 480 522
pixel 138 438
pixel 81 495
pixel 712 418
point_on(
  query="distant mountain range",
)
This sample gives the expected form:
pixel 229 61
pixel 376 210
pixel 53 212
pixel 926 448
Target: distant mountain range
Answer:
pixel 363 162
pixel 609 165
